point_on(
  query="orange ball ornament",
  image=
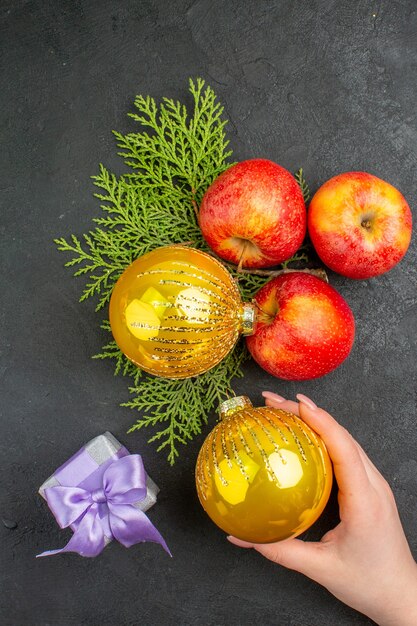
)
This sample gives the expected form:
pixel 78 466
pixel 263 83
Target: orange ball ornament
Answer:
pixel 262 474
pixel 176 312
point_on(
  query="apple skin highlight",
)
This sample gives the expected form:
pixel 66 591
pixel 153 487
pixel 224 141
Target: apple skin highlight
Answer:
pixel 359 225
pixel 254 214
pixel 305 328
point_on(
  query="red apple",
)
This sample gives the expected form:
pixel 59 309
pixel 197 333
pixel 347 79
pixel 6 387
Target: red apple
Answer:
pixel 305 328
pixel 254 213
pixel 359 225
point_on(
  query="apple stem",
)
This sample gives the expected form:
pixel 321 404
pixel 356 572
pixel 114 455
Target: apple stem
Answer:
pixel 242 258
pixel 319 272
pixel 264 316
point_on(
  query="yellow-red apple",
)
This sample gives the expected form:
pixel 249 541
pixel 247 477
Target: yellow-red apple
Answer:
pixel 254 214
pixel 305 328
pixel 359 225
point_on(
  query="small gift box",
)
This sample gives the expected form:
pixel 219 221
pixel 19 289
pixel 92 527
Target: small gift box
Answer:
pixel 102 493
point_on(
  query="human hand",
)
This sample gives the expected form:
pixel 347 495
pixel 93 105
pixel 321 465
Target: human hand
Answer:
pixel 365 561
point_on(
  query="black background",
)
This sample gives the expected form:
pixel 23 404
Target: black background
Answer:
pixel 322 84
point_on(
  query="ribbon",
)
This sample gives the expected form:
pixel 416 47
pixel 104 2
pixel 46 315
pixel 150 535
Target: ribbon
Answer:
pixel 123 485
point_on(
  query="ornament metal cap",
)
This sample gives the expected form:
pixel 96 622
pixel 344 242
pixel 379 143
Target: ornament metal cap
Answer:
pixel 233 405
pixel 248 318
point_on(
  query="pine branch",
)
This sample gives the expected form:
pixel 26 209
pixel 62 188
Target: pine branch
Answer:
pixel 180 408
pixel 172 159
pixel 152 206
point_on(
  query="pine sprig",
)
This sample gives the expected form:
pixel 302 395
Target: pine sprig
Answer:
pixel 183 406
pixel 153 205
pixel 299 177
pixel 122 365
pixel 182 155
pixel 172 159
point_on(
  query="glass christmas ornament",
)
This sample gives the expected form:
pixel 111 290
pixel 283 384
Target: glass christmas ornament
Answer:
pixel 176 312
pixel 262 474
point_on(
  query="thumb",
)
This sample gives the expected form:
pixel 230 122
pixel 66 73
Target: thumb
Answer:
pixel 308 558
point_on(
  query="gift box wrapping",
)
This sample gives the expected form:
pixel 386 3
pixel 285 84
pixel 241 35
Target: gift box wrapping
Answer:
pixel 85 469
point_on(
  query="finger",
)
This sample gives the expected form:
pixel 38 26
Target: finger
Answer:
pixel 349 469
pixel 287 405
pixel 375 476
pixel 278 402
pixel 369 471
pixel 366 460
pixel 308 558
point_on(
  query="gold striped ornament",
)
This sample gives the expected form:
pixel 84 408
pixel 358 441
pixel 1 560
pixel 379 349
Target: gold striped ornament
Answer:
pixel 262 474
pixel 176 312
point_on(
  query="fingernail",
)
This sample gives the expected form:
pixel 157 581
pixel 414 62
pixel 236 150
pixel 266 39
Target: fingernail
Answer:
pixel 273 396
pixel 233 540
pixel 302 398
pixel 239 542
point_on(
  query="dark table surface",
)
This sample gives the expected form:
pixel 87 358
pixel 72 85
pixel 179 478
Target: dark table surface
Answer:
pixel 322 84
